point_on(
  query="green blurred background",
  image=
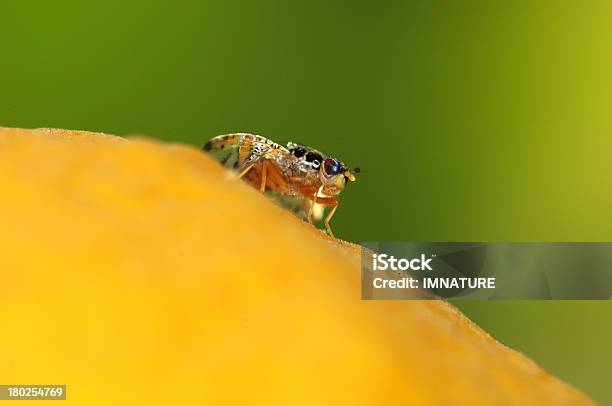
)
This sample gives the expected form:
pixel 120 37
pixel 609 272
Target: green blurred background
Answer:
pixel 471 120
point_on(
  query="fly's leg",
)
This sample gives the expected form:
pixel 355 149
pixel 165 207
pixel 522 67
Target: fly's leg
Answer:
pixel 245 170
pixel 310 209
pixel 329 217
pixel 264 175
pixel 327 201
pixel 312 204
pixel 264 172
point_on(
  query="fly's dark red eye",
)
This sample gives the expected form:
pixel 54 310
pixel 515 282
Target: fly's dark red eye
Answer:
pixel 332 167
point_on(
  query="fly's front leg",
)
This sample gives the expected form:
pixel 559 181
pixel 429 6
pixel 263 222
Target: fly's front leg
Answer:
pixel 335 205
pixel 312 204
pixel 329 217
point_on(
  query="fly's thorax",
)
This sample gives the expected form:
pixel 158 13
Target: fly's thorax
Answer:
pixel 330 173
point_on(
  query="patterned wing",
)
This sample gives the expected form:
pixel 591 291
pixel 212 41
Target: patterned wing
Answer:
pixel 225 149
pixel 238 151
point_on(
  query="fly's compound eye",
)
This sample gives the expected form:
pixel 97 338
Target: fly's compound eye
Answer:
pixel 331 166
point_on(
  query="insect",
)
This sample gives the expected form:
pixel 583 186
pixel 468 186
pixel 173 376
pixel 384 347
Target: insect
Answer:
pixel 295 171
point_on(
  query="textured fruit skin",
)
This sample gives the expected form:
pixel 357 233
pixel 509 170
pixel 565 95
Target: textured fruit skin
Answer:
pixel 137 272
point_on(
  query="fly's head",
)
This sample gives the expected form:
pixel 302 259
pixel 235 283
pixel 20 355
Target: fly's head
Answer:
pixel 332 173
pixel 334 176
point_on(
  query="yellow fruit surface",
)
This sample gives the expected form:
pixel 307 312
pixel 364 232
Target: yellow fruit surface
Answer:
pixel 137 272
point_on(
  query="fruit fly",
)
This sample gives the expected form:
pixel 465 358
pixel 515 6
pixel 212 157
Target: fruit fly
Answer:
pixel 295 171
